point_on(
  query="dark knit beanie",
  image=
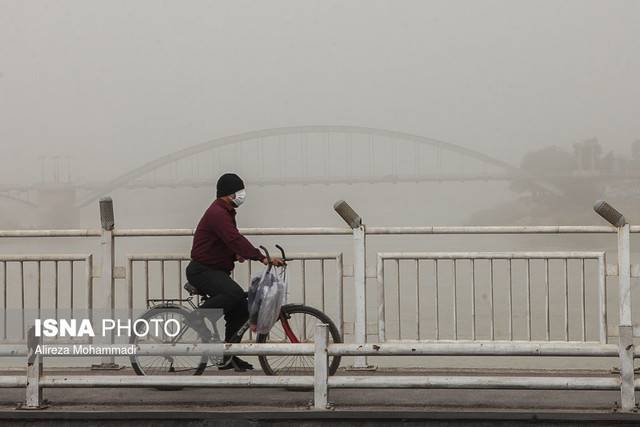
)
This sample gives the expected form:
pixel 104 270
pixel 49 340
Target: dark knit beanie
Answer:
pixel 228 183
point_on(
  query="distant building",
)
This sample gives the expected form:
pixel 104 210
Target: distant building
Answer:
pixel 588 156
pixel 635 150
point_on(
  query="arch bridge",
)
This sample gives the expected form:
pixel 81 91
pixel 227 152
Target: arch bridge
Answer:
pixel 315 154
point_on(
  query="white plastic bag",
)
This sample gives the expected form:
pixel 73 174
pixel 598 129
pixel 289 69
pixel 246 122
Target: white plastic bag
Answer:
pixel 267 294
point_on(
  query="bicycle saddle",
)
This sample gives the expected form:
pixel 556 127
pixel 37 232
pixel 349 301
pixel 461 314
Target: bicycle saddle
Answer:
pixel 192 289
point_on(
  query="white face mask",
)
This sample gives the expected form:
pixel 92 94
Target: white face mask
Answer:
pixel 239 198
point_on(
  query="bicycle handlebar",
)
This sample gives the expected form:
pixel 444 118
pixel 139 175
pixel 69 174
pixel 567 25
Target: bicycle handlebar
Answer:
pixel 266 252
pixel 284 257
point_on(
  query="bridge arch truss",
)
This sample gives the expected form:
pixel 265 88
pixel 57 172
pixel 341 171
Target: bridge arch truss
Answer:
pixel 314 154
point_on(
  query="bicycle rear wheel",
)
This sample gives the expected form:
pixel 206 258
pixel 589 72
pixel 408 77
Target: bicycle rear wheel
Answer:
pixel 297 323
pixel 169 364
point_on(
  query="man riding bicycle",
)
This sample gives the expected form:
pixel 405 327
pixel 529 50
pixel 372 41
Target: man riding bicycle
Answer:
pixel 217 245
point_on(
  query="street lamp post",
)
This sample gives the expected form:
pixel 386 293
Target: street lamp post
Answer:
pixel 626 347
pixel 359 275
pixel 107 223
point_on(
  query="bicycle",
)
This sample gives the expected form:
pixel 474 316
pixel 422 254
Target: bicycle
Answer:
pixel 295 324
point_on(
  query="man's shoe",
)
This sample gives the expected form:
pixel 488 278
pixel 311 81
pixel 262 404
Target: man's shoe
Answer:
pixel 236 364
pixel 241 364
pixel 225 363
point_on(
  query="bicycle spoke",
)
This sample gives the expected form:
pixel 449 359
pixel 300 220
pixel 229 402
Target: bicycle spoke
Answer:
pixel 292 364
pixel 170 365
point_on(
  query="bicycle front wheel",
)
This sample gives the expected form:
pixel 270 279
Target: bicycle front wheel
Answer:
pixel 297 325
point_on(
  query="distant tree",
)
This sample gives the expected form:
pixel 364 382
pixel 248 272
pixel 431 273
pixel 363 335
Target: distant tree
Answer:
pixel 548 161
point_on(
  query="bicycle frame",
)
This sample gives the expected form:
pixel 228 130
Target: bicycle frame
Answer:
pixel 237 337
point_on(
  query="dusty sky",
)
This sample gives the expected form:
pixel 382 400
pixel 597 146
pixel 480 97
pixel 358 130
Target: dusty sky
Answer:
pixel 114 84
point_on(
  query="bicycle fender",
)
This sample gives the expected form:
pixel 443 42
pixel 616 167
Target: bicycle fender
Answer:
pixel 286 306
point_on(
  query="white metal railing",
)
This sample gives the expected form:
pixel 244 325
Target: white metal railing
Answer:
pixel 110 272
pixel 318 377
pixel 455 258
pixel 330 231
pixel 301 258
pixel 38 262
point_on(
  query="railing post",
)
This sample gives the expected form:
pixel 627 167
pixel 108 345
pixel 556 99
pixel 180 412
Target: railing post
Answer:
pixel 106 275
pixel 625 344
pixel 340 303
pixel 33 398
pixel 359 280
pixel 627 350
pixel 321 368
pixel 359 276
pixel 381 303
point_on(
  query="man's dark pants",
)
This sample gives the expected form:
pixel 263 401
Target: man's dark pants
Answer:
pixel 225 294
